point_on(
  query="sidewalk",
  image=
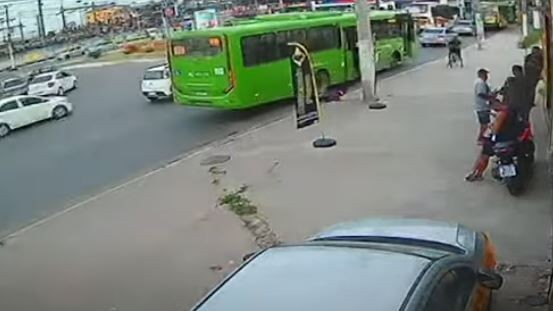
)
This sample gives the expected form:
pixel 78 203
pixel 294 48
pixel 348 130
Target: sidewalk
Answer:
pixel 159 242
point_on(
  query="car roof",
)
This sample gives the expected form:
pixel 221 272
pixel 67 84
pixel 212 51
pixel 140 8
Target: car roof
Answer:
pixel 452 237
pixel 319 277
pixel 49 73
pixel 10 98
pixel 157 68
pixel 11 79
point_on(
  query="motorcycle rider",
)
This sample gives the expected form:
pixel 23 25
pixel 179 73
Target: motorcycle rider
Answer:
pixel 454 46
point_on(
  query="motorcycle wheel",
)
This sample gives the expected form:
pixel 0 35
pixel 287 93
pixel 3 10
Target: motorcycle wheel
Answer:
pixel 514 185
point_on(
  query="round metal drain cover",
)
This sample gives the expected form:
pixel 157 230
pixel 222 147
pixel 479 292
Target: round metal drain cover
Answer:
pixel 215 159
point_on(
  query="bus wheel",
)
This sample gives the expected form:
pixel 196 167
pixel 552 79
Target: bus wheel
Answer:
pixel 323 81
pixel 396 60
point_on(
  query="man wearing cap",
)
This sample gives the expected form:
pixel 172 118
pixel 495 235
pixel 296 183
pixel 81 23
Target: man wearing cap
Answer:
pixel 482 96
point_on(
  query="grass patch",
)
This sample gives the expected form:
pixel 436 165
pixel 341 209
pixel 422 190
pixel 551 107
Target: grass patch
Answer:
pixel 237 202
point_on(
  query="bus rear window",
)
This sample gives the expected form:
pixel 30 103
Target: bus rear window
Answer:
pixel 206 46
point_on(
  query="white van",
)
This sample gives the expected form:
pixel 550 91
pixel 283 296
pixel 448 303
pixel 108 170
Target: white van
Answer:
pixel 156 83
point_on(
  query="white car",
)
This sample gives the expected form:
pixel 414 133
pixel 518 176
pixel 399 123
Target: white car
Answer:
pixel 156 83
pixel 52 83
pixel 19 111
pixel 70 52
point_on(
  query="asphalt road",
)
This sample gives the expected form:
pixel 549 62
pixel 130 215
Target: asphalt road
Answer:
pixel 113 135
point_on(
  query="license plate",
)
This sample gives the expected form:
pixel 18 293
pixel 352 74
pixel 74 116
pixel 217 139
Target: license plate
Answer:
pixel 152 94
pixel 507 170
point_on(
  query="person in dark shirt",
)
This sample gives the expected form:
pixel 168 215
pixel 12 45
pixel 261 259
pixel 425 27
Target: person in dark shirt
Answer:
pixel 454 49
pixel 515 92
pixel 533 66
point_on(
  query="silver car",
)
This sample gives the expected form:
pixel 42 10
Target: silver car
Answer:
pixel 464 28
pixel 436 36
pixel 374 264
pixel 14 86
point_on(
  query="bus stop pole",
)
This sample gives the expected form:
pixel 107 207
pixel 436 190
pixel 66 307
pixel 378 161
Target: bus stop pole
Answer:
pixel 365 45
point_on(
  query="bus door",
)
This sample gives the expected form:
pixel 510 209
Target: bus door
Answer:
pixel 407 30
pixel 351 53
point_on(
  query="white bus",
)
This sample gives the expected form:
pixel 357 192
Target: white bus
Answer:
pixel 422 13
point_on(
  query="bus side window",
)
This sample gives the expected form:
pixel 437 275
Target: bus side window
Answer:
pixel 323 38
pixel 259 49
pixel 284 37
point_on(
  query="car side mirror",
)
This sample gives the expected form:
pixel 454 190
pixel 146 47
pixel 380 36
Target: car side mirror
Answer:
pixel 489 279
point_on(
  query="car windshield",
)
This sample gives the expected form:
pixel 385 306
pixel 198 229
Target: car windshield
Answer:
pixel 464 23
pixel 153 75
pixel 12 83
pixel 41 79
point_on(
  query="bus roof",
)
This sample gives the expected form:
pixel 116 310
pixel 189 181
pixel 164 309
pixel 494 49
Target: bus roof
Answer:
pixel 267 22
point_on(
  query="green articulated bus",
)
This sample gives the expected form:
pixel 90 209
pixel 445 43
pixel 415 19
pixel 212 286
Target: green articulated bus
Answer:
pixel 247 64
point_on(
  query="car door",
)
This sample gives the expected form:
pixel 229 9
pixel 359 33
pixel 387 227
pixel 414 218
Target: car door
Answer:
pixel 64 80
pixel 453 292
pixel 10 113
pixel 35 108
pixel 69 80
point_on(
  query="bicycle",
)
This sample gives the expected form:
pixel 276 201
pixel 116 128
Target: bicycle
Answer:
pixel 454 60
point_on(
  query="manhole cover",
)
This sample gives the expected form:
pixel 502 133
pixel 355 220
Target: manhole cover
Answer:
pixel 215 159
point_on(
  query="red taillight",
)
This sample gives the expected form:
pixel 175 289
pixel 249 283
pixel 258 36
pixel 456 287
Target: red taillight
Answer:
pixel 50 84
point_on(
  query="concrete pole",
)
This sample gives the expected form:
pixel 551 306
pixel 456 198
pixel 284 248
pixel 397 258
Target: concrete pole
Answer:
pixel 524 10
pixel 479 21
pixel 365 45
pixel 10 44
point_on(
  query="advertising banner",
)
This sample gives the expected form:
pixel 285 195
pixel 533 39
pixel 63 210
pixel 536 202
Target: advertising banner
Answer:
pixel 307 100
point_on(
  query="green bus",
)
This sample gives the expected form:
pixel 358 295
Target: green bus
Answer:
pixel 247 64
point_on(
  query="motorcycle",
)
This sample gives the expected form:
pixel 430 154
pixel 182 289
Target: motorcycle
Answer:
pixel 514 161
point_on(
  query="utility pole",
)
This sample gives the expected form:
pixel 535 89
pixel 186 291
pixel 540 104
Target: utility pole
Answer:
pixel 21 30
pixel 9 30
pixel 365 46
pixel 41 30
pixel 63 22
pixel 479 23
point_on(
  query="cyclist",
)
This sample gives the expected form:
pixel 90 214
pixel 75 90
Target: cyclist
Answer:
pixel 454 49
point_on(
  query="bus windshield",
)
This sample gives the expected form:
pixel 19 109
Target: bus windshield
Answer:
pixel 417 8
pixel 198 46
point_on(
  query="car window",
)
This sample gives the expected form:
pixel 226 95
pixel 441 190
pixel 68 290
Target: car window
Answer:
pixel 41 79
pixel 29 101
pixel 9 106
pixel 59 75
pixel 154 75
pixel 65 74
pixel 453 291
pixel 12 83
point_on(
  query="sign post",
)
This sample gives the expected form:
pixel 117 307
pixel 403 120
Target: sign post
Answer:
pixel 307 106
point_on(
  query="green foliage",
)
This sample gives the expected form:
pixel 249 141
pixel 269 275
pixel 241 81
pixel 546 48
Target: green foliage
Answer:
pixel 237 202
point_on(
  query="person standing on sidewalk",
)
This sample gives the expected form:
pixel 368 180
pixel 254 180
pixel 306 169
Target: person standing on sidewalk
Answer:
pixel 482 96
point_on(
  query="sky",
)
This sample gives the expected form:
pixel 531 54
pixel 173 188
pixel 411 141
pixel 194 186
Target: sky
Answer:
pixel 27 10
